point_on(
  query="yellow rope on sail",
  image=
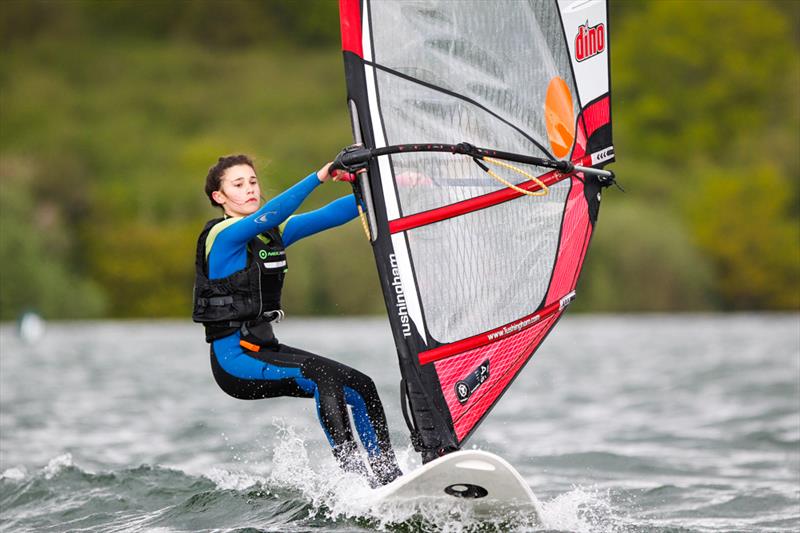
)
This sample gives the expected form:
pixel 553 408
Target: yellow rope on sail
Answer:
pixel 544 189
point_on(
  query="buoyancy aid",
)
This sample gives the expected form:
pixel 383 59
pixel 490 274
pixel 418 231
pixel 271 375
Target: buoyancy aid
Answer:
pixel 247 299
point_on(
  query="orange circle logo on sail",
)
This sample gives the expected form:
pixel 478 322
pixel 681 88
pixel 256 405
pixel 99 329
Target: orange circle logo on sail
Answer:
pixel 559 117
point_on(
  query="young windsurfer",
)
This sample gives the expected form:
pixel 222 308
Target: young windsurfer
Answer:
pixel 240 267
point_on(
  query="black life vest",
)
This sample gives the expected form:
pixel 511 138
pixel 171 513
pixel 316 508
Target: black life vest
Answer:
pixel 248 297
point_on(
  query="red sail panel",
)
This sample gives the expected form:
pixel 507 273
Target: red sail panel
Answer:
pixel 506 358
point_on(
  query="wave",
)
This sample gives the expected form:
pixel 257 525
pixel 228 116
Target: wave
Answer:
pixel 299 493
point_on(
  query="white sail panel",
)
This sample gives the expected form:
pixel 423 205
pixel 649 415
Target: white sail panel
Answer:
pixel 586 29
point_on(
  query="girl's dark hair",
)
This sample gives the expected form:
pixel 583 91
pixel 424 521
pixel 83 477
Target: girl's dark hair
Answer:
pixel 215 173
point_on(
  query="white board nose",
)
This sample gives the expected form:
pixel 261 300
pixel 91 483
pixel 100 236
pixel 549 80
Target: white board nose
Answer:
pixel 476 465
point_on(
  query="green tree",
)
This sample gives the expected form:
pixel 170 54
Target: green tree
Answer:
pixel 707 124
pixel 642 259
pixel 742 223
pixel 111 113
pixel 34 242
pixel 702 80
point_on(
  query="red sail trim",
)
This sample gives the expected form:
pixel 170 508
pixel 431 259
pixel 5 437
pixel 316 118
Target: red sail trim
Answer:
pixel 350 24
pixel 488 337
pixel 479 202
pixel 595 115
pixel 576 229
pixel 575 232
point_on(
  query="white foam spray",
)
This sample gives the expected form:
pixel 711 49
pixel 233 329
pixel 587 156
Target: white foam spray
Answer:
pixel 57 465
pixel 582 510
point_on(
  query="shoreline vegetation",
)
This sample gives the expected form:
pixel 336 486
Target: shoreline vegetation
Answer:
pixel 361 318
pixel 111 114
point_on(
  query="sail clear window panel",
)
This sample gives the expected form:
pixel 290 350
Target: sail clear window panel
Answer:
pixel 464 48
pixel 487 268
pixel 503 62
pixel 426 180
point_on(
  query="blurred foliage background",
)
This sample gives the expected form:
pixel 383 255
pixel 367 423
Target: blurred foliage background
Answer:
pixel 111 113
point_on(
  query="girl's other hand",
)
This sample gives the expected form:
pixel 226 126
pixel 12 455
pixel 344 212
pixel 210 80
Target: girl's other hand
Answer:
pixel 322 174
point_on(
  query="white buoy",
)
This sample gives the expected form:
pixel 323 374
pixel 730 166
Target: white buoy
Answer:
pixel 30 327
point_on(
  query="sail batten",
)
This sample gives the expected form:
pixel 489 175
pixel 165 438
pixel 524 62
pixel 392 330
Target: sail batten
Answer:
pixel 486 200
pixel 458 347
pixel 476 273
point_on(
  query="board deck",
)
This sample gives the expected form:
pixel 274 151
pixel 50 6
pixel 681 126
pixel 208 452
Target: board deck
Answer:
pixel 477 478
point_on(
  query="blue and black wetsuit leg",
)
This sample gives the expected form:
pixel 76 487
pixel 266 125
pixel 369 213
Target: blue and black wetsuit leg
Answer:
pixel 280 370
pixel 338 385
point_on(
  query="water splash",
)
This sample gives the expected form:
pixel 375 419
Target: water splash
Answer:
pixel 582 510
pixel 324 484
pixel 16 473
pixel 335 495
pixel 233 480
pixel 57 465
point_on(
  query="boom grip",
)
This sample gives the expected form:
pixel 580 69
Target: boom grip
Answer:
pixel 352 159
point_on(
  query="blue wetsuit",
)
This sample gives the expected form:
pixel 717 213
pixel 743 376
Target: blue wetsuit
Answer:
pixel 280 370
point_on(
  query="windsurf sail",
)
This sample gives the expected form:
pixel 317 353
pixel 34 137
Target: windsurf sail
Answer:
pixel 475 269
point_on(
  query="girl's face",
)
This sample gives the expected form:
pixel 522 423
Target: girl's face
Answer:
pixel 239 193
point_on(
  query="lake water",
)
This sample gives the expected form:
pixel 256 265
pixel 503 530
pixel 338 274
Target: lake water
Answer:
pixel 619 423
